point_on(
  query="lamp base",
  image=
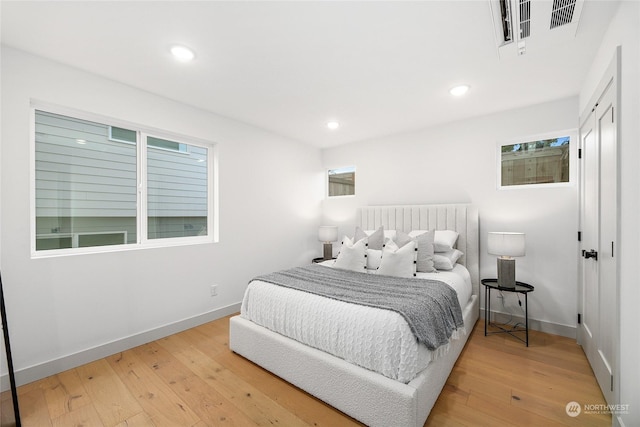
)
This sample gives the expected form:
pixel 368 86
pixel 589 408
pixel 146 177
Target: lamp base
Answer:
pixel 328 251
pixel 506 272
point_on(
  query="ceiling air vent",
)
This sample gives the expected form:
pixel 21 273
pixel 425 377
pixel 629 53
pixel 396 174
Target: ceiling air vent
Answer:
pixel 505 20
pixel 525 18
pixel 526 26
pixel 562 12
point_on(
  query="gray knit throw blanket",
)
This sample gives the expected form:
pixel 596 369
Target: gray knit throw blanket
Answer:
pixel 430 307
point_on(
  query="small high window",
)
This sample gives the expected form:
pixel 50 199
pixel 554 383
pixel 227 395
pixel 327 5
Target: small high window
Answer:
pixel 535 161
pixel 342 181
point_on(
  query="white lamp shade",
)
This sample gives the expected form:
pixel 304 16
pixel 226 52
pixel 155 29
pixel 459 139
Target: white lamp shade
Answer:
pixel 328 233
pixel 506 244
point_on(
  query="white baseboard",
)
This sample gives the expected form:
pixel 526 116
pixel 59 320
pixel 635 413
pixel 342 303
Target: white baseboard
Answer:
pixel 536 325
pixel 52 367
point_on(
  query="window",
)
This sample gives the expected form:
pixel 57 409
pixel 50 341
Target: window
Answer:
pixel 535 161
pixel 166 145
pixel 98 185
pixel 342 182
pixel 176 189
pixel 122 135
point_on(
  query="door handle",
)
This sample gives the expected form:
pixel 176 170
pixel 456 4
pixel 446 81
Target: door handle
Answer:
pixel 591 254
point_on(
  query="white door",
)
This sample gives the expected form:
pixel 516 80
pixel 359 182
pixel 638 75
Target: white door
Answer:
pixel 598 330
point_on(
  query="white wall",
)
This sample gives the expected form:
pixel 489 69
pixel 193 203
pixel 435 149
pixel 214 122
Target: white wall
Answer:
pixel 624 31
pixel 457 162
pixel 270 194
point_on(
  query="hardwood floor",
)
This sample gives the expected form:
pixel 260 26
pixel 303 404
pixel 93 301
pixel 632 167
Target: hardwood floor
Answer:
pixel 192 379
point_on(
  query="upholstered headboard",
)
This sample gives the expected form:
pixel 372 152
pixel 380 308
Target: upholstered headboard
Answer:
pixel 462 218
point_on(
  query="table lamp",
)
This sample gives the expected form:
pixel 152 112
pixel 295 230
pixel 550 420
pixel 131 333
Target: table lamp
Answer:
pixel 506 245
pixel 328 234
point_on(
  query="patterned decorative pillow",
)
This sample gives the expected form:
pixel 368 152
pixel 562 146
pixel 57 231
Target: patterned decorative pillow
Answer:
pixel 424 240
pixel 352 255
pixel 374 257
pixel 398 261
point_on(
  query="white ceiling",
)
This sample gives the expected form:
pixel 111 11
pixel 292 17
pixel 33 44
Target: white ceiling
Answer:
pixel 378 68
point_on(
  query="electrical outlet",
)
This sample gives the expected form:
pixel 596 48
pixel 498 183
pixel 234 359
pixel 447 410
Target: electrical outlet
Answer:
pixel 214 290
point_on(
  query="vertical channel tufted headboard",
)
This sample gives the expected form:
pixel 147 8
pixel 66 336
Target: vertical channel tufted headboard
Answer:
pixel 462 218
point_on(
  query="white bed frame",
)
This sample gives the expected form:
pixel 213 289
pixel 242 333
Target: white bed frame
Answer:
pixel 365 395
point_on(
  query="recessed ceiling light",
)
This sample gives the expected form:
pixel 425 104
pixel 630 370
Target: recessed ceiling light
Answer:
pixel 81 141
pixel 333 125
pixel 182 54
pixel 459 90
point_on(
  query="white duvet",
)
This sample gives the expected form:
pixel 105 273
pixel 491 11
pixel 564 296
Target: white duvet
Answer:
pixel 376 339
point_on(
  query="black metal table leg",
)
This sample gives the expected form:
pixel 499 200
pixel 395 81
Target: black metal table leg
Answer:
pixel 487 307
pixel 526 317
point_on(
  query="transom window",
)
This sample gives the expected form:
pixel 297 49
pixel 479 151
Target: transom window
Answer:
pixel 99 185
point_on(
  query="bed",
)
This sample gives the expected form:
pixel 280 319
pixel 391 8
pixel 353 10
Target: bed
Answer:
pixel 369 396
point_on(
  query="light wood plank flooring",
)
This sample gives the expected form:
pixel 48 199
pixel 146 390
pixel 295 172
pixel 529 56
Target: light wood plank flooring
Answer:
pixel 192 379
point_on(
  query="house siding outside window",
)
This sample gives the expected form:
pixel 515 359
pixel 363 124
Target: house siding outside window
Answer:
pixel 102 185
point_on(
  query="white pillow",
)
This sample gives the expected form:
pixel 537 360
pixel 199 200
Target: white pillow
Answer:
pixel 398 262
pixel 388 234
pixel 374 257
pixel 424 243
pixel 375 238
pixel 444 240
pixel 446 260
pixel 352 255
pixel 424 239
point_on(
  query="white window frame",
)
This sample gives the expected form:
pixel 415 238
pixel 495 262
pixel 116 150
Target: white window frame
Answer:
pixel 573 154
pixel 178 151
pixel 326 182
pixel 143 241
pixel 111 137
